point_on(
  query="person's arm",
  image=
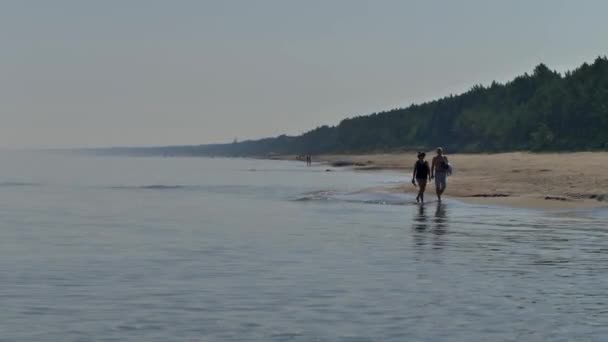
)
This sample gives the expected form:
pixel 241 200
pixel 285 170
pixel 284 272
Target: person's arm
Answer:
pixel 414 175
pixel 433 169
pixel 428 170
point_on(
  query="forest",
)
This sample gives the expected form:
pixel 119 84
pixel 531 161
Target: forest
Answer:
pixel 541 111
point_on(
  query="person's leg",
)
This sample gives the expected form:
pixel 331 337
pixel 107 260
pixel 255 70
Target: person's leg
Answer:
pixel 442 182
pixel 422 185
pixel 438 186
pixel 440 179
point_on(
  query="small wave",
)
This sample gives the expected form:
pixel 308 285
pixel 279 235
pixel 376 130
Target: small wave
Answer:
pixel 366 197
pixel 393 181
pixel 320 195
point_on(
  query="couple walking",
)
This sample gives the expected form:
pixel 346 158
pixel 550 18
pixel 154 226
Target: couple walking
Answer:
pixel 439 170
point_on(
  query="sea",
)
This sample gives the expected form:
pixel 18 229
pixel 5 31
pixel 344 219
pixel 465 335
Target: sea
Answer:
pixel 109 248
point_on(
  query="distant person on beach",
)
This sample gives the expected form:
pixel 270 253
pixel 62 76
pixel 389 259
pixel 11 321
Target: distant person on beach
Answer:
pixel 422 172
pixel 440 168
pixel 308 160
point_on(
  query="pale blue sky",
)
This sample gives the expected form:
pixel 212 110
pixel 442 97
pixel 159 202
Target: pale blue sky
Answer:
pixel 149 72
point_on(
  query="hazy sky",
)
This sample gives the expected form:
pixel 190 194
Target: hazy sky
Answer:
pixel 147 72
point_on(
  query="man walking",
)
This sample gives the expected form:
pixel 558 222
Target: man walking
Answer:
pixel 439 170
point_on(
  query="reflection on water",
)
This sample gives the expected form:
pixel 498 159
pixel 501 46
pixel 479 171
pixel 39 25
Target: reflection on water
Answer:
pixel 437 225
pixel 441 219
pixel 421 221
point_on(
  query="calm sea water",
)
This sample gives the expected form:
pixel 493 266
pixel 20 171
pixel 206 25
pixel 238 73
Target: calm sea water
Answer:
pixel 194 249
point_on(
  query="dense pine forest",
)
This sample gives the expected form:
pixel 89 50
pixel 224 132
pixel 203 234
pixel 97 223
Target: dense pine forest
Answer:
pixel 541 111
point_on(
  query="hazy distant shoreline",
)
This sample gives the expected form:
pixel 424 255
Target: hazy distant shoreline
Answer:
pixel 521 179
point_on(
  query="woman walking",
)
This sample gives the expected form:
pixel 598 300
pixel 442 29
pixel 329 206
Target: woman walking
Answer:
pixel 422 173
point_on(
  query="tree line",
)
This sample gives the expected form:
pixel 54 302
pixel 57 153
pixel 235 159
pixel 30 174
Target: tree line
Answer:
pixel 541 111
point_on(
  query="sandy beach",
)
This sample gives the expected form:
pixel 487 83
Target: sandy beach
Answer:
pixel 534 180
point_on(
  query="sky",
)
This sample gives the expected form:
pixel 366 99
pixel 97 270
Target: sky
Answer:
pixel 84 73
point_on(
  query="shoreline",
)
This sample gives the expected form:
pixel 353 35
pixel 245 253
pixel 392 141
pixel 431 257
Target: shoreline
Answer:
pixel 569 180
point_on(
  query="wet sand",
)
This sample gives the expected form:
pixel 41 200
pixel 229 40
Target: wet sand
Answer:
pixel 521 179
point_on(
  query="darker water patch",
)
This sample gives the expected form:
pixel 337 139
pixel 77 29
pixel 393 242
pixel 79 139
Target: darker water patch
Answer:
pixel 490 195
pixel 164 187
pixel 597 197
pixel 17 184
pixel 557 198
pixel 345 163
pixel 151 187
pixel 241 190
